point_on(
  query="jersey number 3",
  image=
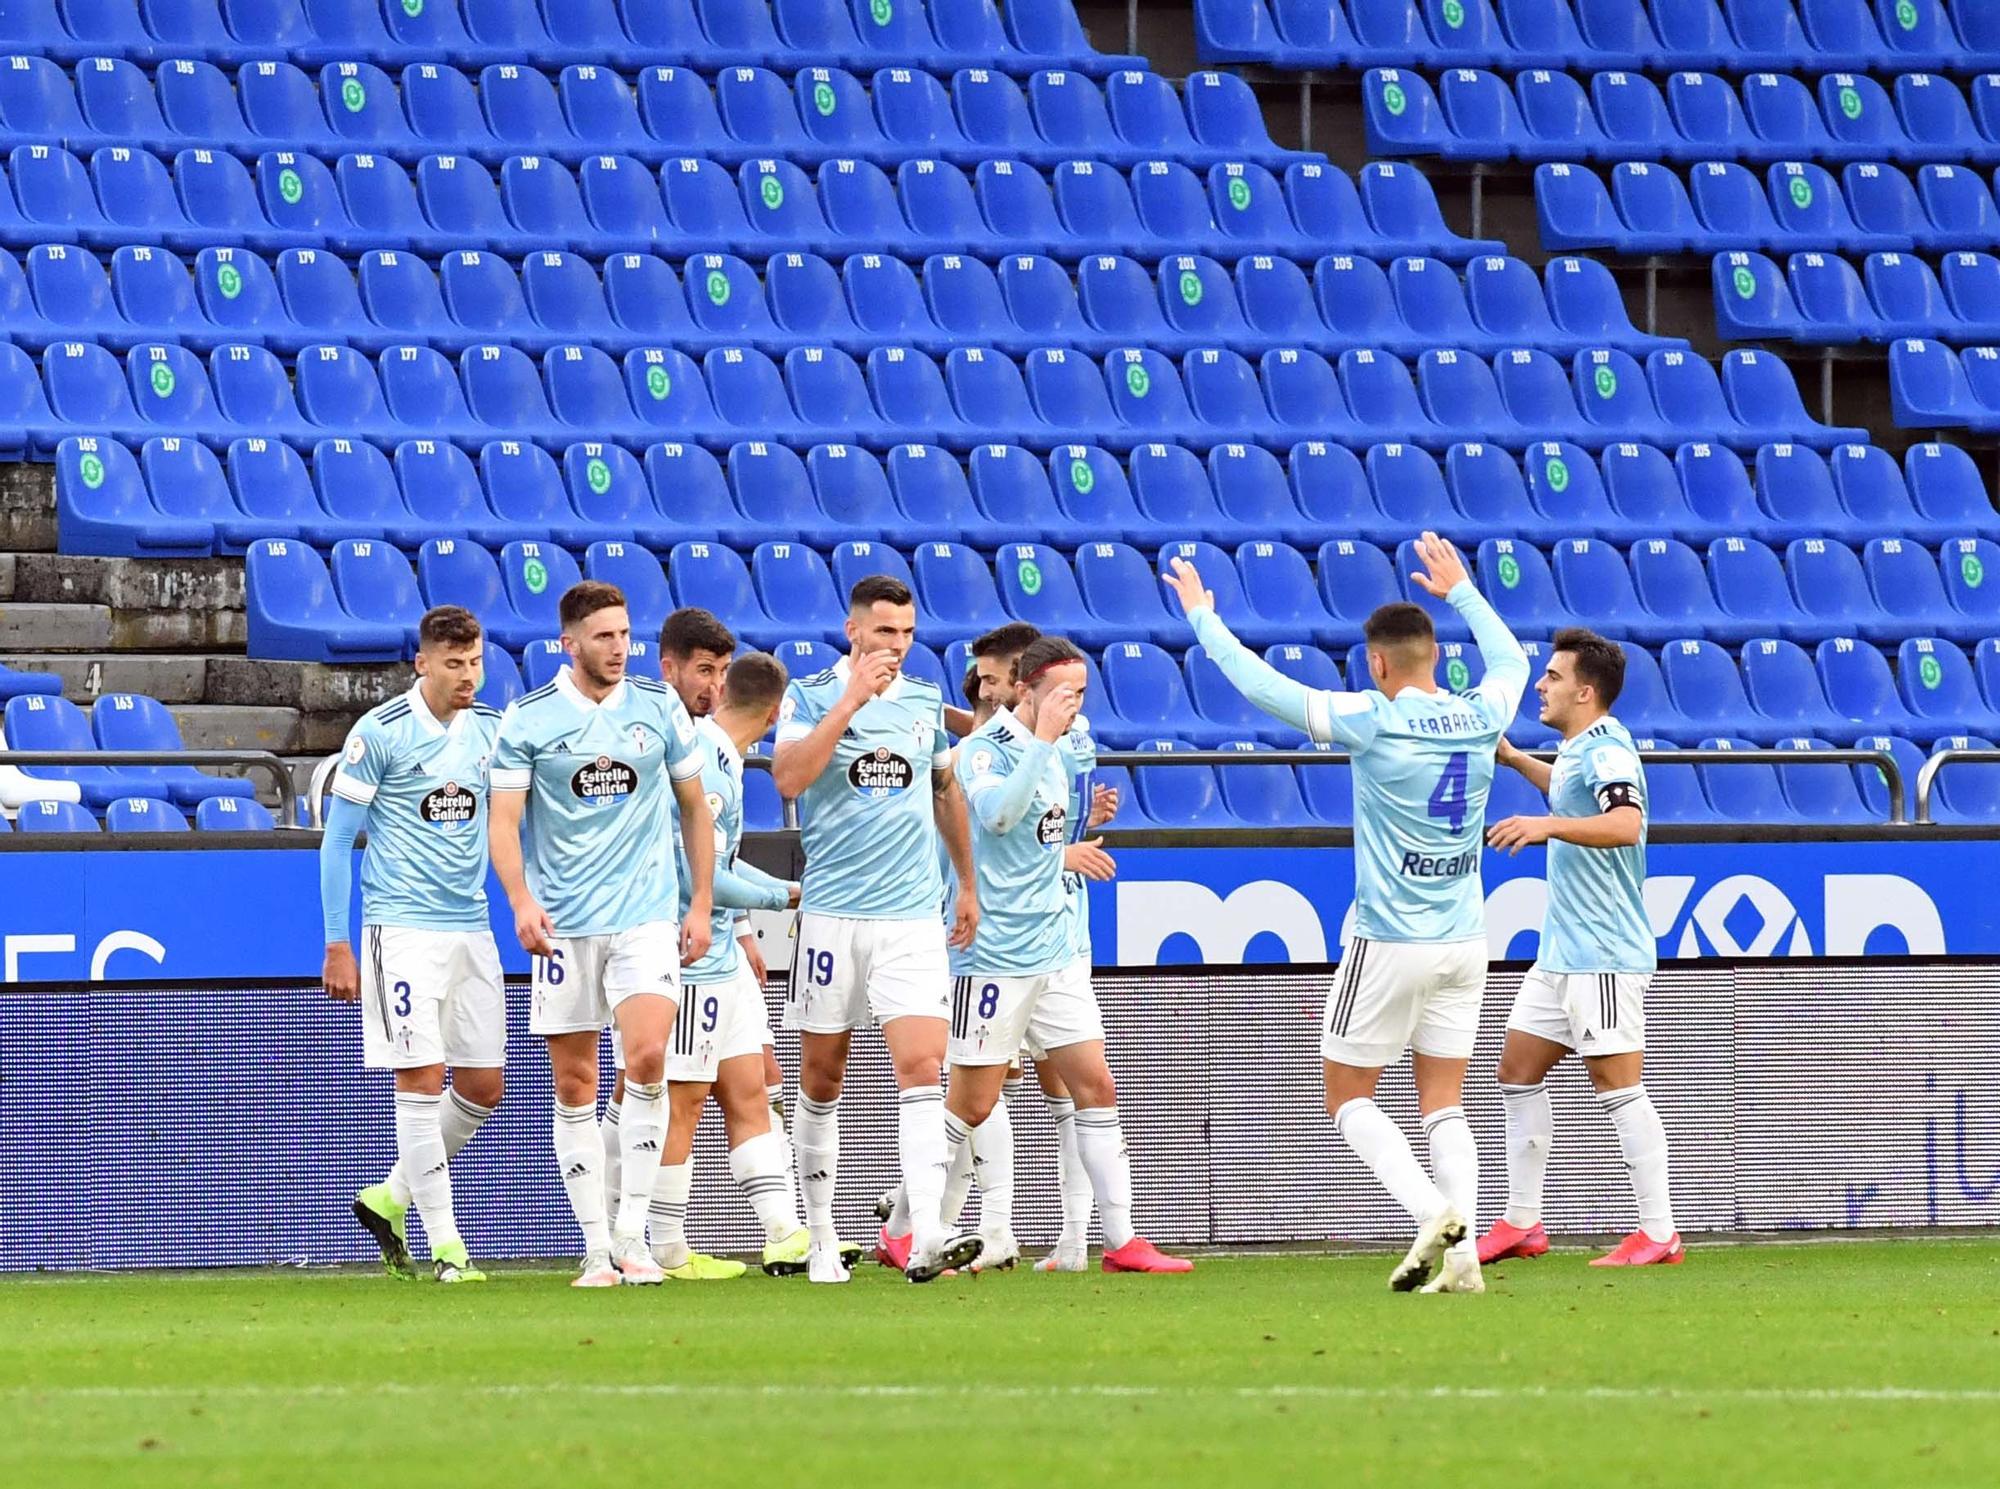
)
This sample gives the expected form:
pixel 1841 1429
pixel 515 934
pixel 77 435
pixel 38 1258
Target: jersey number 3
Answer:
pixel 1448 800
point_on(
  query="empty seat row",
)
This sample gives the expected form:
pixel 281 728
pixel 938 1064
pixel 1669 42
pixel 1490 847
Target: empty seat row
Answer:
pixel 823 113
pixel 1811 35
pixel 622 33
pixel 1476 115
pixel 1821 299
pixel 1799 206
pixel 116 721
pixel 142 814
pixel 392 297
pixel 618 204
pixel 1931 386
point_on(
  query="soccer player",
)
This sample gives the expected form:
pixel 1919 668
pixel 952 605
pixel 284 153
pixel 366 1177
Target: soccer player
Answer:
pixel 862 748
pixel 413 777
pixel 1587 990
pixel 1413 972
pixel 591 762
pixel 1021 978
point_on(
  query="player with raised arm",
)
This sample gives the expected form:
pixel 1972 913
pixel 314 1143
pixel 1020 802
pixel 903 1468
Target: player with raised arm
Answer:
pixel 1587 990
pixel 1021 980
pixel 862 748
pixel 413 777
pixel 591 762
pixel 1412 974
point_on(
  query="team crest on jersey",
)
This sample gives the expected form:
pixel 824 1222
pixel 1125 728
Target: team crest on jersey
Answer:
pixel 881 772
pixel 604 782
pixel 356 748
pixel 642 738
pixel 451 805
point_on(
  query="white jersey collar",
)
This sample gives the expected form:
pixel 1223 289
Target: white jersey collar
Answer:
pixel 428 721
pixel 843 671
pixel 566 685
pixel 706 725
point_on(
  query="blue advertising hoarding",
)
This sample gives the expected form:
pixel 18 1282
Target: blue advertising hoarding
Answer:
pixel 70 916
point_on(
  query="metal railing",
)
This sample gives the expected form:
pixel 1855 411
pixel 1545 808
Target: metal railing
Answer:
pixel 288 793
pixel 1927 777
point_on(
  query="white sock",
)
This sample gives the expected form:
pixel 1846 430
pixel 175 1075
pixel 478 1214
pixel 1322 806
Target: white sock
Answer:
pixel 420 1154
pixel 1380 1144
pixel 958 1143
pixel 667 1213
pixel 1100 1143
pixel 1455 1168
pixel 580 1158
pixel 1531 1128
pixel 816 1140
pixel 758 1166
pixel 1643 1140
pixel 614 1151
pixel 1072 1179
pixel 898 1223
pixel 921 1147
pixel 993 1168
pixel 459 1119
pixel 644 1125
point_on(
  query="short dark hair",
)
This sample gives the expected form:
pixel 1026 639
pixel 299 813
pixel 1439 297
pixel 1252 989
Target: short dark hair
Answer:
pixel 1044 652
pixel 970 687
pixel 873 589
pixel 448 625
pixel 585 598
pixel 754 680
pixel 1009 640
pixel 691 629
pixel 1398 624
pixel 1599 663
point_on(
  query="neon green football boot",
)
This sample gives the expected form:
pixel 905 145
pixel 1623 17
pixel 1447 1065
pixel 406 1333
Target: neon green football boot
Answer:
pixel 384 1219
pixel 787 1258
pixel 449 1263
pixel 700 1268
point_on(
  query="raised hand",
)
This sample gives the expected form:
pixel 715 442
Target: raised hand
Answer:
pixel 1185 582
pixel 1056 712
pixel 1443 567
pixel 1103 806
pixel 870 675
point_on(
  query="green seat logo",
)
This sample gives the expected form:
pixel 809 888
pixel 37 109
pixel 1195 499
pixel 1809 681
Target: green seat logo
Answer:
pixel 92 471
pixel 1137 383
pixel 599 476
pixel 1510 573
pixel 823 98
pixel 1930 671
pixel 1030 575
pixel 1557 474
pixel 1394 99
pixel 1081 476
pixel 162 380
pixel 1605 381
pixel 1971 570
pixel 881 11
pixel 658 384
pixel 718 287
pixel 1456 674
pixel 290 187
pixel 229 281
pixel 772 190
pixel 1190 287
pixel 1745 282
pixel 1801 192
pixel 535 575
pixel 1454 14
pixel 1850 103
pixel 1239 193
pixel 413 7
pixel 353 95
pixel 1906 14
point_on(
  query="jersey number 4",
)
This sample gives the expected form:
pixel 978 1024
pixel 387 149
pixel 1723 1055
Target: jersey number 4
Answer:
pixel 1448 800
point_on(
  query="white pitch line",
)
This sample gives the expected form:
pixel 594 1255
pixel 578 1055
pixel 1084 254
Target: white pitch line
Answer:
pixel 1785 1395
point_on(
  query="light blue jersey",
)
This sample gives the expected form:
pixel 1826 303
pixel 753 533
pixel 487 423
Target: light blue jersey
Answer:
pixel 867 824
pixel 1080 759
pixel 423 787
pixel 1018 791
pixel 1423 764
pixel 1596 919
pixel 738 886
pixel 599 781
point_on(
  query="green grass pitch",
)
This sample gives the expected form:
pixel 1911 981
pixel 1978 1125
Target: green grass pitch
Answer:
pixel 1833 1363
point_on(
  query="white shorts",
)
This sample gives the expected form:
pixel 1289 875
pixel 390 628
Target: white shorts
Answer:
pixel 717 1021
pixel 1593 1013
pixel 431 998
pixel 583 978
pixel 993 1018
pixel 846 973
pixel 1396 995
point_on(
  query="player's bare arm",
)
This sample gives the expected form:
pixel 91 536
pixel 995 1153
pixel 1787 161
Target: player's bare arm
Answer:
pixel 798 763
pixel 948 805
pixel 1185 581
pixel 341 974
pixel 531 922
pixel 1620 827
pixel 698 840
pixel 1536 772
pixel 1089 859
pixel 959 721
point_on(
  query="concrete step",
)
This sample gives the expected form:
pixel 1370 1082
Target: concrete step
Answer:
pixel 89 675
pixel 311 687
pixel 35 626
pixel 226 726
pixel 6 576
pixel 28 508
pixel 155 604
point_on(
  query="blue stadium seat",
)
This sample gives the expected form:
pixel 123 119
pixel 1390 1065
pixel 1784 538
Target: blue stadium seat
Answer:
pixel 796 590
pixel 1172 489
pixel 1706 688
pixel 955 591
pixel 1402 207
pixel 398 293
pixel 1970 285
pixel 1618 405
pixel 1263 795
pixel 1764 397
pixel 1673 587
pixel 356 487
pixel 1966 793
pixel 118 104
pixel 1595 584
pixel 294 615
pixel 610 490
pixel 774 494
pixel 71 289
pixel 1937 685
pixel 54 816
pixel 1146 690
pixel 1948 490
pixel 1647 498
pixel 1251 624
pixel 637 574
pixel 1905 583
pixel 913 396
pixel 540 662
pixel 852 492
pixel 156 298
pixel 536 574
pixel 1747 793
pixel 1967 564
pixel 1828 581
pixel 374 584
pixel 440 488
pixel 1871 491
pixel 832 399
pixel 1036 585
pixel 1872 785
pixel 1661 216
pixel 1691 400
pixel 1011 490
pixel 242 814
pixel 102 506
pixel 86 387
pixel 1573 210
pixel 1709 118
pixel 1785 689
pixel 1358 307
pixel 1860 689
pixel 21 319
pixel 934 501
pixel 42 721
pixel 875 300
pixel 1278 584
pixel 1928 388
pixel 266 492
pixel 1821 794
pixel 281 105
pixel 26 421
pixel 524 488
pixel 1122 591
pixel 716 578
pixel 1633 114
pixel 855 560
pixel 1354 580
pixel 1488 493
pixel 1516 578
pixel 1754 299
pixel 1643 703
pixel 453 571
pixel 1185 797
